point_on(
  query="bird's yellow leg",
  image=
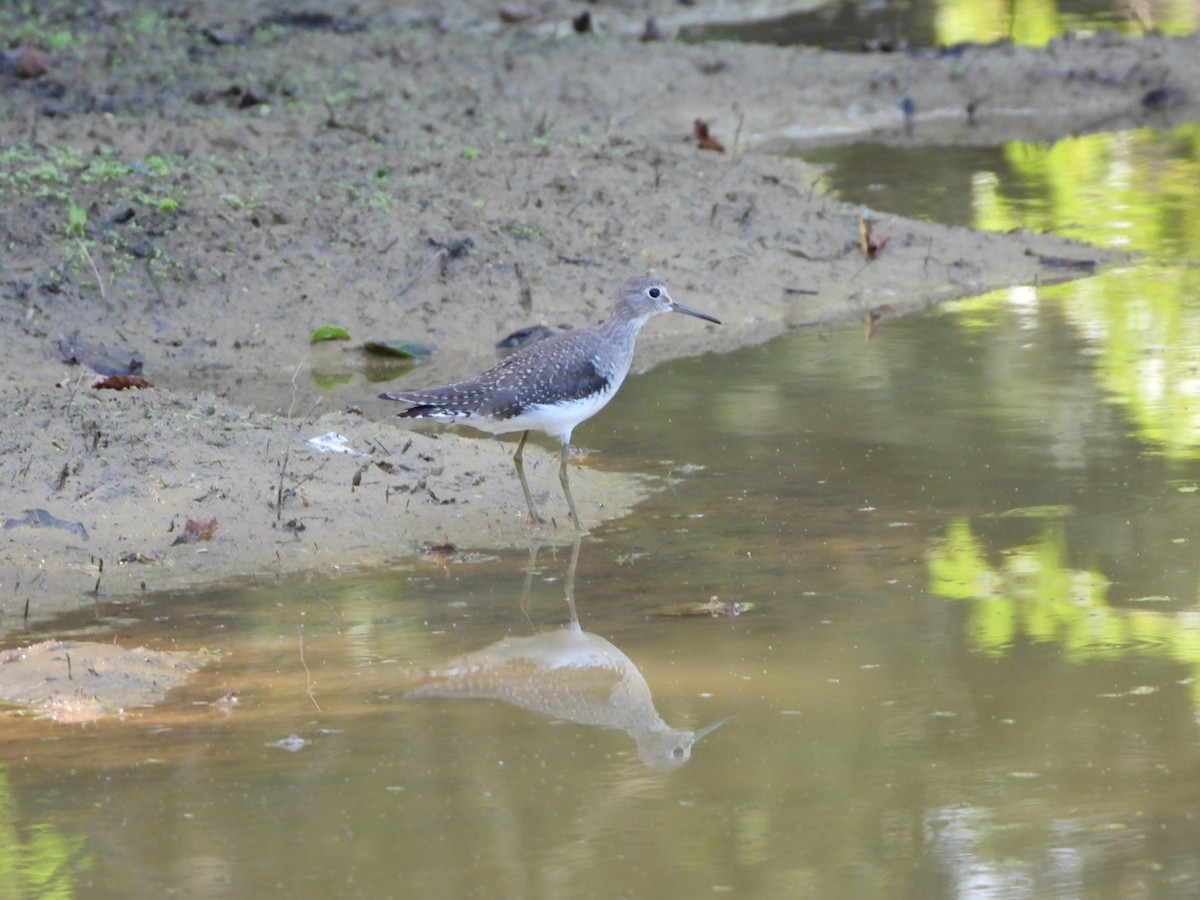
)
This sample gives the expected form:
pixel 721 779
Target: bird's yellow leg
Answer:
pixel 519 462
pixel 566 485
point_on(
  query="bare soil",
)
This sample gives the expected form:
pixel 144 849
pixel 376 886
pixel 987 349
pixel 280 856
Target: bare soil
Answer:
pixel 245 175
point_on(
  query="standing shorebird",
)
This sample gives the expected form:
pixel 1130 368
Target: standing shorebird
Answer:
pixel 552 385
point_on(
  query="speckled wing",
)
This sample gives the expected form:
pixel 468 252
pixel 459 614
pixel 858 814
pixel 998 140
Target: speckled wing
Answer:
pixel 547 373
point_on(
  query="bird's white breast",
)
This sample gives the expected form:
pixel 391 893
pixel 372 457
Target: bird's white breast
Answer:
pixel 558 419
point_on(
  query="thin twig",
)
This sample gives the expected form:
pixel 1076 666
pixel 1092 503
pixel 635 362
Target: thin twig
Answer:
pixel 287 452
pixel 308 682
pixel 99 281
pixel 425 268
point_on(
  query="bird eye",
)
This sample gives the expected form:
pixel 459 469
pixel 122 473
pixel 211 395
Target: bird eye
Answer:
pixel 654 293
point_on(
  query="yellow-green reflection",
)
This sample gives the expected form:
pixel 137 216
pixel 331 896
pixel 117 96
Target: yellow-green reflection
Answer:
pixel 1034 22
pixel 1138 191
pixel 38 861
pixel 1131 190
pixel 1032 592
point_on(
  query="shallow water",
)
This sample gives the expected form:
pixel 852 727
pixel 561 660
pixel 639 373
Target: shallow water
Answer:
pixel 892 24
pixel 969 668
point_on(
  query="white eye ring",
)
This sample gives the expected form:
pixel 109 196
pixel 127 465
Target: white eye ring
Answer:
pixel 654 293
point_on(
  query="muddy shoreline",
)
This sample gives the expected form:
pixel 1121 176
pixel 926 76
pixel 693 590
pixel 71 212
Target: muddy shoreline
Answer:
pixel 445 180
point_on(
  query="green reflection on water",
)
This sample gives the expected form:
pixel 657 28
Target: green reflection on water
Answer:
pixel 1131 190
pixel 1127 189
pixel 944 23
pixel 38 861
pixel 1034 22
pixel 1034 593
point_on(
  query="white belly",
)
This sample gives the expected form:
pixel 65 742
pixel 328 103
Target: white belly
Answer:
pixel 555 419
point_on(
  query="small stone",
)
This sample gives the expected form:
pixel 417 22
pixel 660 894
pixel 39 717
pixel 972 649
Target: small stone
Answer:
pixel 28 62
pixel 511 13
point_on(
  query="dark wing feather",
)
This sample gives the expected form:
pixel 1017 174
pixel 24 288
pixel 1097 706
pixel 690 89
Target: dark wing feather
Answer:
pixel 565 384
pixel 554 370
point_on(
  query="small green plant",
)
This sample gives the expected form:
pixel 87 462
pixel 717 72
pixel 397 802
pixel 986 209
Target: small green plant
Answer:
pixel 146 24
pixel 380 200
pixel 525 232
pixel 77 218
pixel 470 153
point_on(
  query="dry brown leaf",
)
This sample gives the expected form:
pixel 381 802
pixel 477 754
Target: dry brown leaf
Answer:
pixel 99 382
pixel 704 138
pixel 868 242
pixel 196 530
pixel 120 382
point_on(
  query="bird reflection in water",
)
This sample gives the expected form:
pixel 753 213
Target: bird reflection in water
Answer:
pixel 567 674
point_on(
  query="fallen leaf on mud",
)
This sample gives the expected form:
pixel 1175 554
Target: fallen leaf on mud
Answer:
pixel 40 518
pixel 121 382
pixel 704 139
pixel 399 349
pixel 100 359
pixel 104 382
pixel 328 333
pixel 196 530
pixel 869 242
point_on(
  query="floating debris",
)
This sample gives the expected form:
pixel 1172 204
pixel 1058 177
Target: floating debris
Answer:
pixel 714 608
pixel 293 743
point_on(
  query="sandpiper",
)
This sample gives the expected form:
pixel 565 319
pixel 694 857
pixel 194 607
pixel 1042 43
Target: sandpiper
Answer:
pixel 551 385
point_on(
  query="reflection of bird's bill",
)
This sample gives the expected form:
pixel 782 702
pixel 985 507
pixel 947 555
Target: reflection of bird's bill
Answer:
pixel 688 311
pixel 710 728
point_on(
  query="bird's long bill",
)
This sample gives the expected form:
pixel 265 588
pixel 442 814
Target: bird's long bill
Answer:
pixel 712 726
pixel 679 307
